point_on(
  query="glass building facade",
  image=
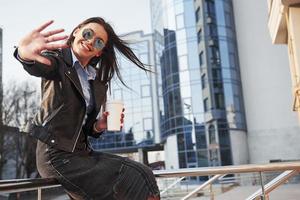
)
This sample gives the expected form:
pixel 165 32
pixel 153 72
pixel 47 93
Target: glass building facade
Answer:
pixel 201 88
pixel 140 97
pixel 220 75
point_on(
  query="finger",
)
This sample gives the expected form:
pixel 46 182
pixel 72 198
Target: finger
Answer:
pixel 43 60
pixel 105 114
pixel 45 25
pixel 64 46
pixel 49 33
pixel 56 38
pixel 55 46
pixel 102 125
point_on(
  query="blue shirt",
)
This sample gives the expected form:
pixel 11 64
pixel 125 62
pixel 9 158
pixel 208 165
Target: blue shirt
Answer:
pixel 85 74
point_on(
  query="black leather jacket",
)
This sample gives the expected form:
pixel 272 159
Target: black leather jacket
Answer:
pixel 60 117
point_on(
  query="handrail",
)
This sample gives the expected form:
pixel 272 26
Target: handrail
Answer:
pixel 173 184
pixel 269 187
pixel 232 169
pixel 285 166
pixel 22 185
pixel 26 180
pixel 290 2
pixel 208 182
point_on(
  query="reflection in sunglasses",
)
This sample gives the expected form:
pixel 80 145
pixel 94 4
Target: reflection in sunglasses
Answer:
pixel 88 34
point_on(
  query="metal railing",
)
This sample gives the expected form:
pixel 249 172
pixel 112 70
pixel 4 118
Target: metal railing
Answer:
pixel 289 170
pixel 171 185
pixel 207 183
pixel 23 185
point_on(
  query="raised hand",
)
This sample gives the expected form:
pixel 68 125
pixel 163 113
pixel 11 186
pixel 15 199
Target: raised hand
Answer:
pixel 31 46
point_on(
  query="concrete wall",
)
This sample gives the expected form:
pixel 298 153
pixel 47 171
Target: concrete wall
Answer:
pixel 273 129
pixel 171 153
pixel 239 146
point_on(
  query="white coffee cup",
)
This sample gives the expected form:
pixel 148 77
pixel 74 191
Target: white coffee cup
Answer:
pixel 114 108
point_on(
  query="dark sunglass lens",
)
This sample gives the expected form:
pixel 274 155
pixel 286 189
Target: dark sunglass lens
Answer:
pixel 87 34
pixel 99 44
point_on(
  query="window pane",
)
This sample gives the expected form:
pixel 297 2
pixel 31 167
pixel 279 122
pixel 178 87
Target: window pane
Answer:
pixel 201 58
pixel 118 94
pixel 145 90
pixel 198 14
pixel 147 123
pixel 203 81
pixel 205 104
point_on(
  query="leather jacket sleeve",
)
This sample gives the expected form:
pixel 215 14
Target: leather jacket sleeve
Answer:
pixel 89 126
pixel 38 69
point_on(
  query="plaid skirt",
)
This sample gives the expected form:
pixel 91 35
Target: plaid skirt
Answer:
pixel 90 175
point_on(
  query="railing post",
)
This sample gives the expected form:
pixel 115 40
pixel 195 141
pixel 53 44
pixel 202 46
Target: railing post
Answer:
pixel 211 192
pixel 207 183
pixel 273 184
pixel 263 195
pixel 170 186
pixel 39 194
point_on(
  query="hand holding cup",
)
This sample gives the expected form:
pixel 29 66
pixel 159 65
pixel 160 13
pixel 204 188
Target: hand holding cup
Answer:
pixel 109 119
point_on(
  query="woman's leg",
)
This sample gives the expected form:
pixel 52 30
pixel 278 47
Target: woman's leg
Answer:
pixel 136 182
pixel 99 176
pixel 46 170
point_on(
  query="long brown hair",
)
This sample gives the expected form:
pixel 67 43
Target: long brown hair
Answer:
pixel 107 62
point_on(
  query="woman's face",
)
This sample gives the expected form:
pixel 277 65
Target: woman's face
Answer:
pixel 88 41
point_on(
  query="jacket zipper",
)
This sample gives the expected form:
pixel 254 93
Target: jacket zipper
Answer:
pixel 78 133
pixel 53 114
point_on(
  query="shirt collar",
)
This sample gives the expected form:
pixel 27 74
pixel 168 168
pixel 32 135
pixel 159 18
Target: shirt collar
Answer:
pixel 90 71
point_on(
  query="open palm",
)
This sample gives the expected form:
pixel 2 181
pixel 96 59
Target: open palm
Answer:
pixel 31 46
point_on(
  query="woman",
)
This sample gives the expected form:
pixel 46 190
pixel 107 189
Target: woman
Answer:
pixel 75 78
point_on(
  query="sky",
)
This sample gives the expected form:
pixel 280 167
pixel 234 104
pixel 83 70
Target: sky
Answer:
pixel 17 18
